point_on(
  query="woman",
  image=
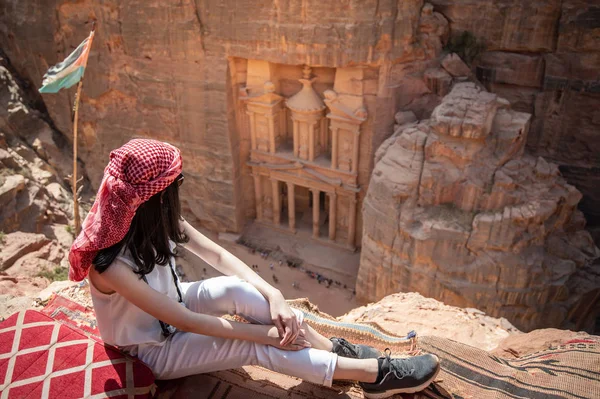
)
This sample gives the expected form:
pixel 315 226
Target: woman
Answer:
pixel 126 247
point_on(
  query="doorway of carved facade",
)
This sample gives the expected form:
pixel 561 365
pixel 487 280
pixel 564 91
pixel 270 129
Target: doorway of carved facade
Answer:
pixel 304 215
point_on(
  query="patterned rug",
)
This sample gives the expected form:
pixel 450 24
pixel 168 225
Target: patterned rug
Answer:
pixel 43 358
pixel 73 314
pixel 570 370
pixel 365 333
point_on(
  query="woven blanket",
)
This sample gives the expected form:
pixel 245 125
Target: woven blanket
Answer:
pixel 570 370
pixel 43 358
pixel 74 315
pixel 364 333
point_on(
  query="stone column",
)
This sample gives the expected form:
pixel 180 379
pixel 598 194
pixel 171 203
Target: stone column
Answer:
pixel 258 196
pixel 351 221
pixel 291 206
pixel 276 202
pixel 332 215
pixel 296 138
pixel 283 117
pixel 316 210
pixel 271 122
pixel 334 148
pixel 311 141
pixel 355 154
pixel 252 130
pixel 323 133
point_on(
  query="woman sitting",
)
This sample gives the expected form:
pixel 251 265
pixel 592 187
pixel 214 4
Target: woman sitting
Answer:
pixel 127 247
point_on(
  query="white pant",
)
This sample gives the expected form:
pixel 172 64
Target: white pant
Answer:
pixel 187 353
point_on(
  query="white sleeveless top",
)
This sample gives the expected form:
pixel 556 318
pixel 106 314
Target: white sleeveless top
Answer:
pixel 123 324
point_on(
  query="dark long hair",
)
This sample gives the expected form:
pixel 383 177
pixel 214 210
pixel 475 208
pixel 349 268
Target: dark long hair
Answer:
pixel 156 222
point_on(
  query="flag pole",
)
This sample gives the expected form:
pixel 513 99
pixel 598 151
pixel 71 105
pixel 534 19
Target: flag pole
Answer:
pixel 76 217
pixel 77 220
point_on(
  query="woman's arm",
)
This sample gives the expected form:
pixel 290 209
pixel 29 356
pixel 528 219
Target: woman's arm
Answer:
pixel 123 280
pixel 222 260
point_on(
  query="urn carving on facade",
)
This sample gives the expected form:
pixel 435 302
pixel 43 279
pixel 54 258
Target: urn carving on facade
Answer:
pixel 309 129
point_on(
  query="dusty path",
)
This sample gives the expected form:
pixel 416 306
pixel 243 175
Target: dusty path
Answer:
pixel 335 299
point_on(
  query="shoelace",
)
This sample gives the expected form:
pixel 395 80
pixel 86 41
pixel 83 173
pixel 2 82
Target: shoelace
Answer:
pixel 399 367
pixel 348 346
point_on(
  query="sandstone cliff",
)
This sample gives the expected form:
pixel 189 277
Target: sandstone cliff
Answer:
pixel 167 71
pixel 544 57
pixel 457 212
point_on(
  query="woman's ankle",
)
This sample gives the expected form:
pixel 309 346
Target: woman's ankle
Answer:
pixel 362 370
pixel 317 340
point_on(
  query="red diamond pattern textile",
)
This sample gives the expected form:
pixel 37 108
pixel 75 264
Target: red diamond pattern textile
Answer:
pixel 43 358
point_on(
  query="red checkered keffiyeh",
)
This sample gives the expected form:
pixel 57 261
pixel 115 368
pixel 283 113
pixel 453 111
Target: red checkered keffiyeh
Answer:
pixel 135 172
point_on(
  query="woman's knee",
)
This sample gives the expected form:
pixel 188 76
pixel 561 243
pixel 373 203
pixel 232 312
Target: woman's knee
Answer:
pixel 231 292
pixel 228 295
pixel 242 292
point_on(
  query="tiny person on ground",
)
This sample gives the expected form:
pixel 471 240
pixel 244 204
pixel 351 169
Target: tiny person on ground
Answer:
pixel 127 247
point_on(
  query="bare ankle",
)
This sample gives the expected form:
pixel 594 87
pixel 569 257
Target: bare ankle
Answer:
pixel 317 340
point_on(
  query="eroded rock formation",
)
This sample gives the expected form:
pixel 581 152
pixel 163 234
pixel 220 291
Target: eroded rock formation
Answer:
pixel 456 211
pixel 32 164
pixel 35 206
pixel 544 57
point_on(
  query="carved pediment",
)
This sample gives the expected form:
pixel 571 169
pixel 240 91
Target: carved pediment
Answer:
pixel 340 110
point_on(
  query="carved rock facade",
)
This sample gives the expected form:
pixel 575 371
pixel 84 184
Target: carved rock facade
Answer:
pixel 456 212
pixel 174 72
pixel 304 151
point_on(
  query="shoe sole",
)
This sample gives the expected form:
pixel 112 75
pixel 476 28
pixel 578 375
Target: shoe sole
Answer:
pixel 392 392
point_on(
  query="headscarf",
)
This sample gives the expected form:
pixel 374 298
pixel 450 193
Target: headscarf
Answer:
pixel 135 172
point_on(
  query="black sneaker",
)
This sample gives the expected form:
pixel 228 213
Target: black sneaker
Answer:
pixel 409 375
pixel 346 349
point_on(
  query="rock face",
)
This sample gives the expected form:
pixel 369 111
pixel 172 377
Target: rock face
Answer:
pixel 456 212
pixel 15 245
pixel 410 311
pixel 544 57
pixel 35 206
pixel 171 73
pixel 32 164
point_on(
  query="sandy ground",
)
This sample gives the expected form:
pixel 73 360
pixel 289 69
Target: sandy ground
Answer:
pixel 292 282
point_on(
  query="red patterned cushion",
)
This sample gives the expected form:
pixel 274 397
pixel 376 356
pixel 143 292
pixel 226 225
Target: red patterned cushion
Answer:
pixel 42 358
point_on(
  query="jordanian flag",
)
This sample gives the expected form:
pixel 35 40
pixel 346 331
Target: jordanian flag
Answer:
pixel 65 74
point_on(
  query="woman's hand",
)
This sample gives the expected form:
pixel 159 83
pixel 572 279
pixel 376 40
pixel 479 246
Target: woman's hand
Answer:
pixel 297 344
pixel 284 319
